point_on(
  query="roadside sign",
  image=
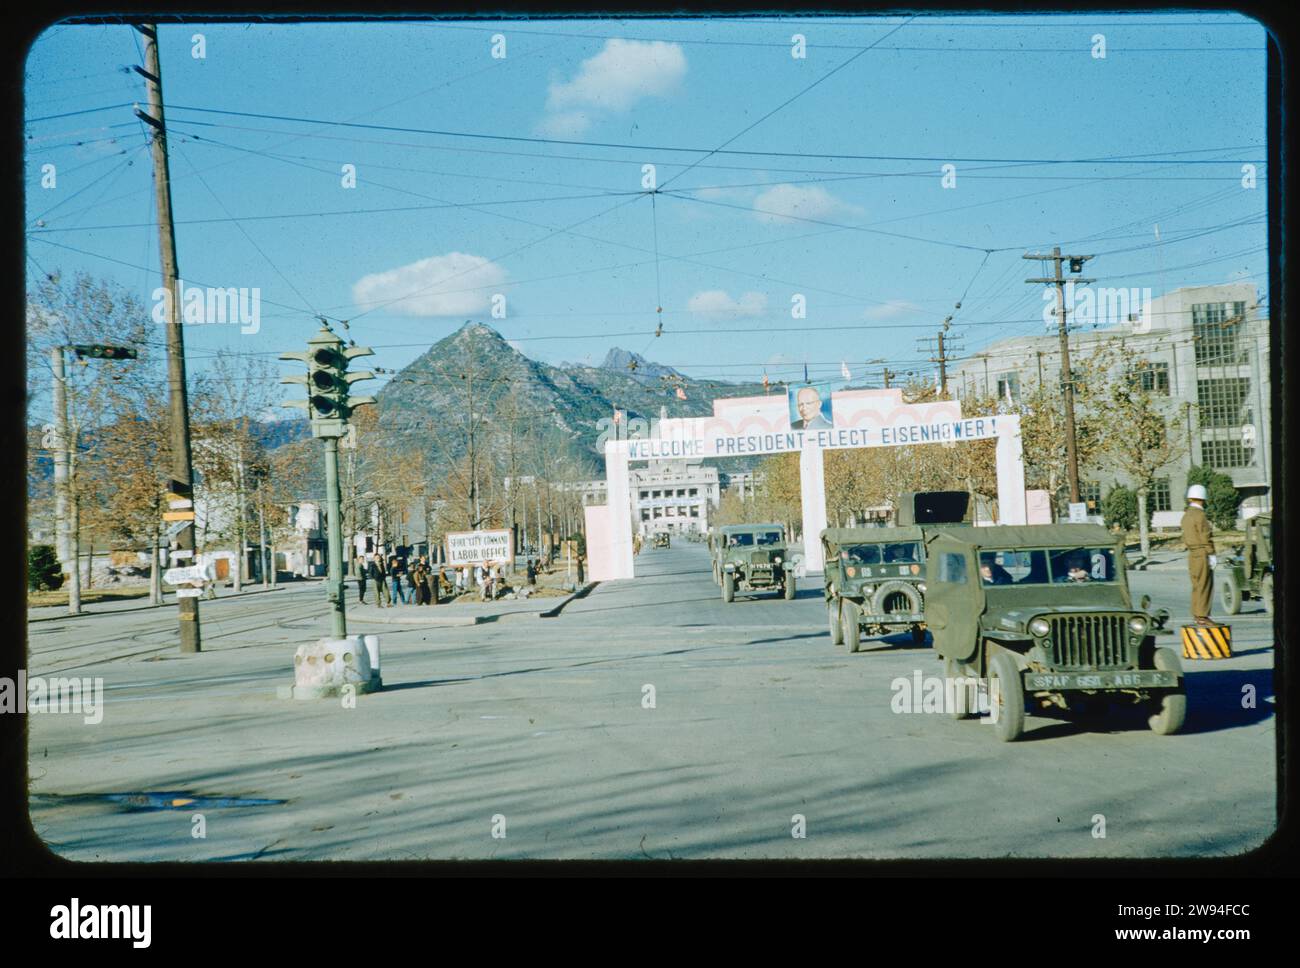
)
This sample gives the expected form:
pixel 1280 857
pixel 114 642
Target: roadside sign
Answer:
pixel 182 576
pixel 479 547
pixel 180 504
pixel 178 515
pixel 176 529
pixel 1079 513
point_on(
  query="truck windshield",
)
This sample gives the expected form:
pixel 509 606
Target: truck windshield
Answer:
pixel 1055 566
pixel 901 552
pixel 761 538
pixel 904 552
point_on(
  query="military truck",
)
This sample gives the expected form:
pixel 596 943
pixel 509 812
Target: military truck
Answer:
pixel 1248 571
pixel 661 539
pixel 874 578
pixel 751 558
pixel 1044 613
pixel 874 582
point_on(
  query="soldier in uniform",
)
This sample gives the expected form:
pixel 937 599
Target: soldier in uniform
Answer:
pixel 1200 553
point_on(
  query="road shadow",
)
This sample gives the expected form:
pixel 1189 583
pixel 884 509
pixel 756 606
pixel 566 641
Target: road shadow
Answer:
pixel 1216 700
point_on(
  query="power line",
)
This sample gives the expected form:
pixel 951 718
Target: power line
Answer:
pixel 705 151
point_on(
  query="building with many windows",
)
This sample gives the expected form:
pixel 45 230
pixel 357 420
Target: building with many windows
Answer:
pixel 1206 348
pixel 674 496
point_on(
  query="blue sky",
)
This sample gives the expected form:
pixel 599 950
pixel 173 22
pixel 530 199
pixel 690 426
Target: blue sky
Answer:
pixel 439 222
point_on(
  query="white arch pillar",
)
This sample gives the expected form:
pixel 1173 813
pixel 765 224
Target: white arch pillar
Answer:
pixel 812 492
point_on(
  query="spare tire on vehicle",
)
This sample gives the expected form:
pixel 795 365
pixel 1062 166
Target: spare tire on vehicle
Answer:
pixel 896 598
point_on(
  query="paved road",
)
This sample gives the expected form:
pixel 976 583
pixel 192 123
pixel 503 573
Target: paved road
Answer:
pixel 540 727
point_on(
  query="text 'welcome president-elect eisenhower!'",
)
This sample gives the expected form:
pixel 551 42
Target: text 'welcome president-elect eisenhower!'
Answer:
pixel 808 410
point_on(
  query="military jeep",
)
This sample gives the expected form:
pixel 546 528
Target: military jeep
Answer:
pixel 661 539
pixel 874 582
pixel 1043 612
pixel 1248 572
pixel 751 558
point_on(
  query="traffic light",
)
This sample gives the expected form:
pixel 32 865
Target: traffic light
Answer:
pixel 98 351
pixel 1076 265
pixel 328 403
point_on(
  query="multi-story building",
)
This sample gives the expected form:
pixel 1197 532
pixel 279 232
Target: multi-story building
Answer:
pixel 673 496
pixel 1205 347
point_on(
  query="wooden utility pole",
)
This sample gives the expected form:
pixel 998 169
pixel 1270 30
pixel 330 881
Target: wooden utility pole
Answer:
pixel 66 524
pixel 182 477
pixel 888 374
pixel 943 355
pixel 1067 378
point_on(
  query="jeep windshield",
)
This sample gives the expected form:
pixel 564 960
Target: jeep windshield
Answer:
pixel 903 552
pixel 1052 566
pixel 752 538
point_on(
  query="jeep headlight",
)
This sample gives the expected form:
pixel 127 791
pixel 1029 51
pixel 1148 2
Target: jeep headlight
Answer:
pixel 920 587
pixel 1039 627
pixel 868 591
pixel 729 566
pixel 776 559
pixel 1137 625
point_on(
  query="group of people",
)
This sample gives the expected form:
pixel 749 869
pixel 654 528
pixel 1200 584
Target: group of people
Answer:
pixel 488 579
pixel 395 582
pixel 421 582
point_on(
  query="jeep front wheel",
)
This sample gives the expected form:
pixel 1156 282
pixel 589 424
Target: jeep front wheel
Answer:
pixel 1230 594
pixel 728 588
pixel 833 616
pixel 1006 697
pixel 1170 709
pixel 849 625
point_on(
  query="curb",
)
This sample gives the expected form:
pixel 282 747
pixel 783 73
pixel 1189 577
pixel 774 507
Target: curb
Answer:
pixel 431 621
pixel 582 592
pixel 455 621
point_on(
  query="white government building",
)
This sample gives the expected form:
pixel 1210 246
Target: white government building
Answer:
pixel 1205 347
pixel 672 496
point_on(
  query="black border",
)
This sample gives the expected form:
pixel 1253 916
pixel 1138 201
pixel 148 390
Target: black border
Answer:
pixel 23 854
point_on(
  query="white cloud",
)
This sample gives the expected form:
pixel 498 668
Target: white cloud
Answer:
pixel 893 309
pixel 611 82
pixel 455 284
pixel 779 203
pixel 566 124
pixel 718 302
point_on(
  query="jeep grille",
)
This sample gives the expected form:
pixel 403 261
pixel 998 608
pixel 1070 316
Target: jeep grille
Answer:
pixel 1090 641
pixel 758 558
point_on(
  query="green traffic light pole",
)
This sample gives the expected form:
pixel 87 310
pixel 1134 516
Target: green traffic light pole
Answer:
pixel 329 406
pixel 335 537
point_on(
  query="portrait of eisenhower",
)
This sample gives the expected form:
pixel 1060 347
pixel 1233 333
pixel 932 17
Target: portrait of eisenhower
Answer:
pixel 810 407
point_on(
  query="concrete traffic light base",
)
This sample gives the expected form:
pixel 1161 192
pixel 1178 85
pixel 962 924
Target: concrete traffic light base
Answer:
pixel 329 668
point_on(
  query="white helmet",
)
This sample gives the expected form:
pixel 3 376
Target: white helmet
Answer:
pixel 1196 493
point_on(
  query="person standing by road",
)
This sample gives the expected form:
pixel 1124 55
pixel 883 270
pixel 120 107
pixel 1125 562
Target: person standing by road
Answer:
pixel 423 593
pixel 1201 559
pixel 361 580
pixel 395 571
pixel 377 575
